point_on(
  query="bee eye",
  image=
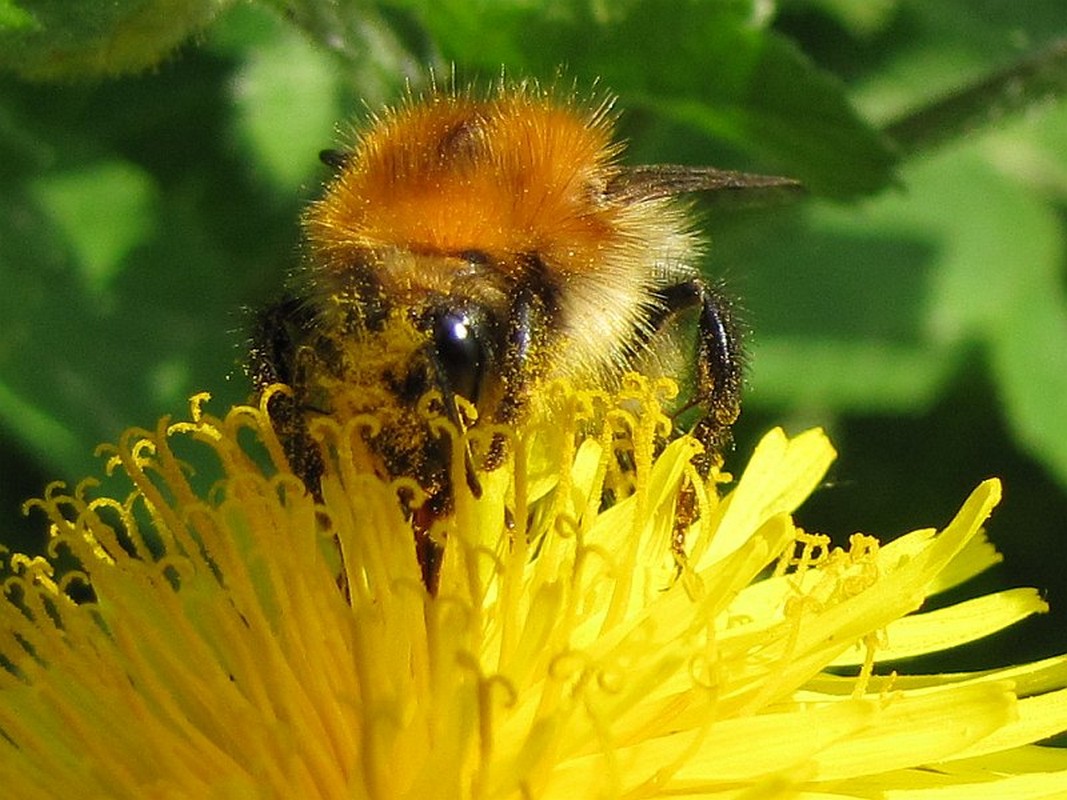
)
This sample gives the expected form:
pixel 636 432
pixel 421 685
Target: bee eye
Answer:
pixel 458 342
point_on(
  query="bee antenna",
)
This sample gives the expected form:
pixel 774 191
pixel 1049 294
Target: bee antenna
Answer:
pixel 337 159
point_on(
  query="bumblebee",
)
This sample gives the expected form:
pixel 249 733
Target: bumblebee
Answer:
pixel 479 246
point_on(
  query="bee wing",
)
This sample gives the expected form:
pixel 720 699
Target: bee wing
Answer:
pixel 667 180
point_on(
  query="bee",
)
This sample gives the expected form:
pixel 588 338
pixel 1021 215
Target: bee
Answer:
pixel 479 246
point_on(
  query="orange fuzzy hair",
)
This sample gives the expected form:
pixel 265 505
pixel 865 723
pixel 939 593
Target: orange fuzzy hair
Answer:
pixel 521 177
pixel 518 172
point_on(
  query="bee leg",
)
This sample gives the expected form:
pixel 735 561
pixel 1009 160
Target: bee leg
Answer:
pixel 272 360
pixel 529 320
pixel 719 362
pixel 717 389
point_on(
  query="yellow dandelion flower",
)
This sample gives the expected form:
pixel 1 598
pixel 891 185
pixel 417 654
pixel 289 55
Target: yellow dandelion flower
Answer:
pixel 243 640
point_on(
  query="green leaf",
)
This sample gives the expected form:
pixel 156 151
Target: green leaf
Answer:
pixel 133 234
pixel 50 39
pixel 1029 82
pixel 1029 359
pixel 836 299
pixel 102 210
pixel 862 19
pixel 872 376
pixel 287 102
pixel 716 70
pixel 871 309
pixel 11 16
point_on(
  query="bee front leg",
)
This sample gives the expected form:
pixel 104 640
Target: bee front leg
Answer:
pixel 716 391
pixel 719 359
pixel 275 339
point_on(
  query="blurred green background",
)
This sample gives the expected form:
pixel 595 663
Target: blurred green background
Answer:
pixel 154 158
